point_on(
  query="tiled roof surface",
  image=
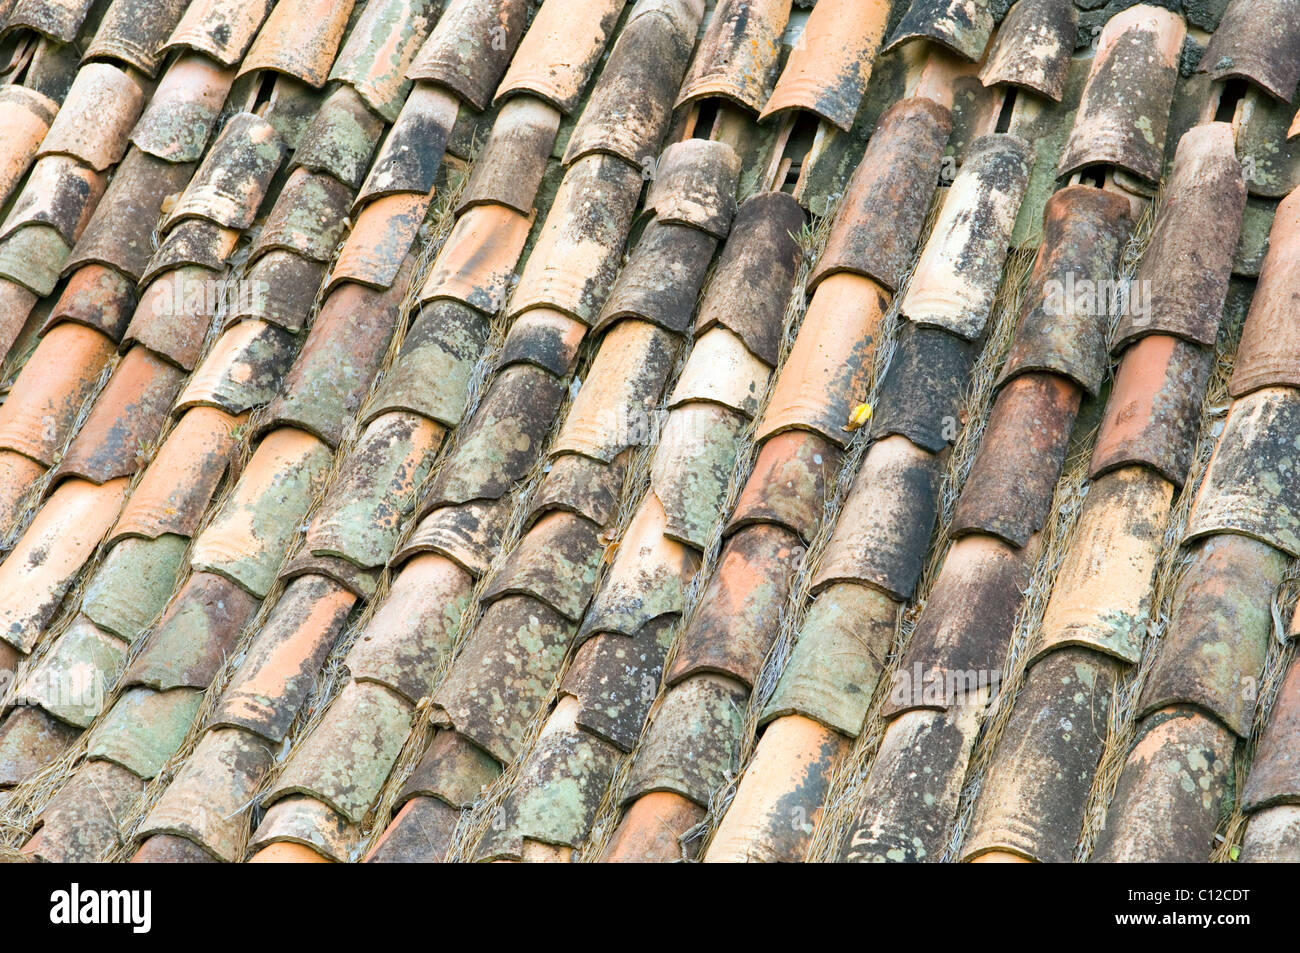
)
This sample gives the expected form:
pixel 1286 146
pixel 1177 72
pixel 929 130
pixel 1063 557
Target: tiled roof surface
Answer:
pixel 592 430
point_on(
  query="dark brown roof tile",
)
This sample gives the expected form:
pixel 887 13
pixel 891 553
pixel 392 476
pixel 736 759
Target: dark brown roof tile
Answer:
pixel 740 54
pixel 58 19
pixel 133 32
pixel 544 338
pixel 221 29
pixel 741 609
pixel 883 532
pixel 754 275
pixel 120 233
pixel 581 485
pixel 923 390
pixel 411 155
pixel 345 348
pixel 560 51
pixel 243 370
pixel 502 676
pixel 580 247
pixel 963 26
pixel 1257 41
pixel 613 678
pixel 1125 108
pixel 1067 307
pixel 96 297
pixel 195 246
pixel 1269 345
pixel 29 740
pixel 471 47
pixel 1183 278
pixel 1033 47
pixel 61 193
pixel 284 291
pixel 912 792
pixel 695 184
pixel 661 281
pixel 233 178
pixel 509 168
pixel 453 770
pixel 630 106
pixel 1153 414
pixel 556 562
pixel 884 207
pixel 792 481
pixel 1271 164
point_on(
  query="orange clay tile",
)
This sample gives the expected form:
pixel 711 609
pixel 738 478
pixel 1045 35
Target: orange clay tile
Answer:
pixel 739 55
pixel 510 166
pixel 98 298
pixel 651 829
pixel 789 774
pixel 471 47
pixel 176 489
pixel 28 115
pixel 829 368
pixel 17 474
pixel 1103 589
pixel 223 29
pixel 59 20
pixel 16 304
pixel 374 251
pixel 558 53
pixel 43 564
pixel 171 849
pixel 285 853
pixel 127 415
pixel 379 49
pixel 478 258
pixel 828 69
pixel 96 118
pixel 42 406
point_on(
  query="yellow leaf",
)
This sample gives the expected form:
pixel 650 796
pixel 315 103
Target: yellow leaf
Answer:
pixel 861 414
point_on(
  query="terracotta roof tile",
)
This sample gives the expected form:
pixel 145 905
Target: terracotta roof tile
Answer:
pixel 1274 777
pixel 884 206
pixel 379 51
pixel 233 178
pixel 513 160
pixel 60 194
pixel 790 485
pixel 1259 42
pixel 922 393
pixel 1125 108
pixel 180 116
pixel 1167 822
pixel 133 32
pixel 30 739
pixel 963 26
pixel 341 138
pixel 409 159
pixel 739 55
pixel 308 217
pixel 956 278
pixel 58 19
pixel 1272 164
pixel 222 29
pixel 130 587
pixel 1189 258
pixel 80 823
pixel 1033 46
pixel 580 28
pixel 28 115
pixel 630 106
pixel 471 46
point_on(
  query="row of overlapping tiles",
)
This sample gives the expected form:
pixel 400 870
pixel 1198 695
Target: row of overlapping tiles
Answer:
pixel 493 595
